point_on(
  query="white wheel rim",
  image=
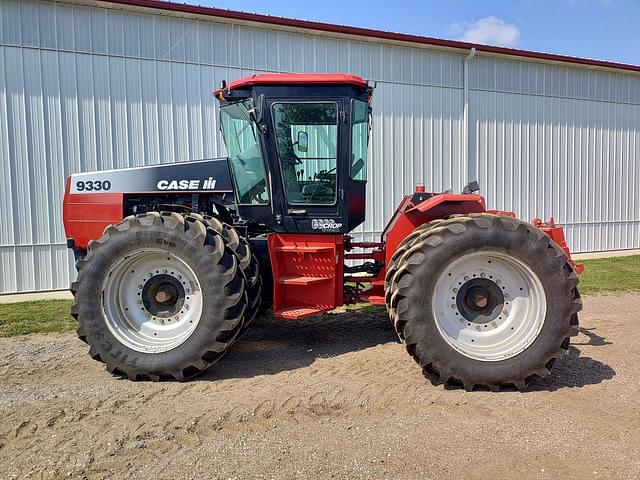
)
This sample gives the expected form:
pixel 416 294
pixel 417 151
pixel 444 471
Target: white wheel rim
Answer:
pixel 131 292
pixel 497 333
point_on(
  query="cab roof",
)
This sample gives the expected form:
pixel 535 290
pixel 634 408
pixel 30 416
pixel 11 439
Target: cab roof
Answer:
pixel 297 79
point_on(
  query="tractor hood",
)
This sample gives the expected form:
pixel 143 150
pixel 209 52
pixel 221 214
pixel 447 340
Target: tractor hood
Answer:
pixel 200 176
pixel 94 200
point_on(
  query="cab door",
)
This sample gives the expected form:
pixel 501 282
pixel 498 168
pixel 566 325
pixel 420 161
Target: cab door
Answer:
pixel 309 139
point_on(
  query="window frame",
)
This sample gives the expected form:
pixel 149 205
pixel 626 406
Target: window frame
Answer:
pixel 368 122
pixel 337 103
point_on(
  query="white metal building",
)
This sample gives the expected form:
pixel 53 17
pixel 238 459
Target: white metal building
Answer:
pixel 98 85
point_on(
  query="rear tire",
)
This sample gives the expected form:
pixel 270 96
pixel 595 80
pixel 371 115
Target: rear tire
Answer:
pixel 523 316
pixel 134 317
pixel 404 246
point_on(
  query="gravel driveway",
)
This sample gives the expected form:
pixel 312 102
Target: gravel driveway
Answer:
pixel 333 396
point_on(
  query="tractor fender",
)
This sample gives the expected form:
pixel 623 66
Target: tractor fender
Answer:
pixel 416 210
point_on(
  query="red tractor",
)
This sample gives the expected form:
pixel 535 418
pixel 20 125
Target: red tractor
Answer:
pixel 175 261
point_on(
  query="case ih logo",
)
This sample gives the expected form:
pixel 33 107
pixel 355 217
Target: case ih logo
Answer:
pixel 325 224
pixel 208 184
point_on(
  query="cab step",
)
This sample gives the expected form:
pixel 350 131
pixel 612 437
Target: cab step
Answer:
pixel 295 313
pixel 308 270
pixel 301 280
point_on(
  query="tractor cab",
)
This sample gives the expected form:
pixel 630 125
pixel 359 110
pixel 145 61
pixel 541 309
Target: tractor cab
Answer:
pixel 297 148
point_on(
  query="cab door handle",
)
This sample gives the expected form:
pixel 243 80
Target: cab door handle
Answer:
pixel 296 211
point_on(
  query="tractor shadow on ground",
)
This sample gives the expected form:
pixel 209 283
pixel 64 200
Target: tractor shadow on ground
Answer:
pixel 275 345
pixel 576 370
pixel 595 340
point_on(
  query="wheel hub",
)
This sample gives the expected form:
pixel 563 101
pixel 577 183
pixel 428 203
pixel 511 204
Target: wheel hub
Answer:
pixel 479 300
pixel 163 295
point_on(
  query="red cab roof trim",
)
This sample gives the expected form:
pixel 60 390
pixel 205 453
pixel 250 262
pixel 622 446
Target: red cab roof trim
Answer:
pixel 371 33
pixel 297 78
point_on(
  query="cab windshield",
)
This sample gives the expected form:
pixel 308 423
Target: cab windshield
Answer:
pixel 245 155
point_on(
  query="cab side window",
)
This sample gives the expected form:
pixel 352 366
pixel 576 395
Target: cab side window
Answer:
pixel 359 139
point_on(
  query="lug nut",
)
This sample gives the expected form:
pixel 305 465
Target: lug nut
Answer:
pixel 482 274
pixel 466 277
pixel 455 290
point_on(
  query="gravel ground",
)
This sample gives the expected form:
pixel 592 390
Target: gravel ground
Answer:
pixel 334 396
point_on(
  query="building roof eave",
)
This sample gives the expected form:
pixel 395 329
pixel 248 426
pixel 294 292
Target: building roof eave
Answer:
pixel 371 33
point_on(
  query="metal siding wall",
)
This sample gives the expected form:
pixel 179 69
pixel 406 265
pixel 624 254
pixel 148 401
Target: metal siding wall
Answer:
pixel 86 88
pixel 556 140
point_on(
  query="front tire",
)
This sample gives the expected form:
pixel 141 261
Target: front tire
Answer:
pixel 485 301
pixel 159 296
pixel 246 260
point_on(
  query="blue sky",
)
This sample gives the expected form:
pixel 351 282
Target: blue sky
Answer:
pixel 601 29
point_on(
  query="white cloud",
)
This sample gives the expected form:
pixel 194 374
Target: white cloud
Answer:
pixel 488 30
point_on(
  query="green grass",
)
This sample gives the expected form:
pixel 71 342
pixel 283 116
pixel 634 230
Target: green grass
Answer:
pixel 606 275
pixel 43 316
pixel 610 275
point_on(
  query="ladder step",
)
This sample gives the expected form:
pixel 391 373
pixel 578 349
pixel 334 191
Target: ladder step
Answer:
pixel 299 280
pixel 293 313
pixel 303 249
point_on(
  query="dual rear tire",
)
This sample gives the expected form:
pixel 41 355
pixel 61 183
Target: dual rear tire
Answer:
pixel 485 301
pixel 164 295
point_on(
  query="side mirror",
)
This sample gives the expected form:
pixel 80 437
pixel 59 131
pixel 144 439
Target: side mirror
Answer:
pixel 303 141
